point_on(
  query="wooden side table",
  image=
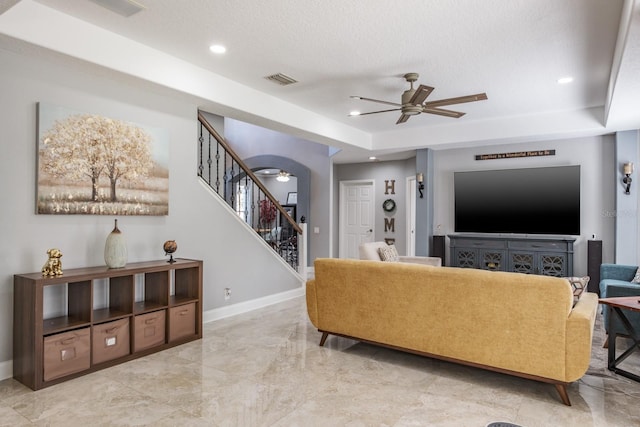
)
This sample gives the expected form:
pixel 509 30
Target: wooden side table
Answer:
pixel 615 305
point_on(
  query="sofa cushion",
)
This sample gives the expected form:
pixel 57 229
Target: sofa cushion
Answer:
pixel 578 286
pixel 388 253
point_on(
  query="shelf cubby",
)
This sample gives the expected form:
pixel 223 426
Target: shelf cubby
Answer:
pixel 76 306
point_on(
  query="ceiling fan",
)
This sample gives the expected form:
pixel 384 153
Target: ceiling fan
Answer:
pixel 413 102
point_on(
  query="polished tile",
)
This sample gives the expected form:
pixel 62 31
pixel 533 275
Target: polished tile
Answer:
pixel 265 368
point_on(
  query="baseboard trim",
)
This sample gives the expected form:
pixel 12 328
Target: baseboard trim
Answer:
pixel 6 369
pixel 247 306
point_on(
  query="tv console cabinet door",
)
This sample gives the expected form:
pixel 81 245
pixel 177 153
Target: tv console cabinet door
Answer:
pixel 492 259
pixel 464 258
pixel 553 264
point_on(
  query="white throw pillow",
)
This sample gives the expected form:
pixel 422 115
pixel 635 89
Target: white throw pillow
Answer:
pixel 636 278
pixel 388 253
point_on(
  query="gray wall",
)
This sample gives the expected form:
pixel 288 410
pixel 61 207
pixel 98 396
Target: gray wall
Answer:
pixel 253 141
pixel 203 227
pixel 595 156
pixel 398 170
pixel 626 208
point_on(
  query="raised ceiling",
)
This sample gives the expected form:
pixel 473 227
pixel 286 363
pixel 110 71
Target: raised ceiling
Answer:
pixel 514 50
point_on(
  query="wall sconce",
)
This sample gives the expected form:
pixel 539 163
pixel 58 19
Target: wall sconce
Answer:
pixel 420 180
pixel 627 169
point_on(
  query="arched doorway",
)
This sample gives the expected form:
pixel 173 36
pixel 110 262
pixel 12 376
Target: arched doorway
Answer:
pixel 300 171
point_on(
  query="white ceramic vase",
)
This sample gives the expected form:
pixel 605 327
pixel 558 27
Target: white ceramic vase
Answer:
pixel 115 249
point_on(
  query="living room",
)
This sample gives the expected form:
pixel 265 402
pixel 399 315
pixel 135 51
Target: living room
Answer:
pixel 33 73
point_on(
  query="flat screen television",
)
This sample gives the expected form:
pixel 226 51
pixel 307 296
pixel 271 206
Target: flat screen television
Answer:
pixel 542 200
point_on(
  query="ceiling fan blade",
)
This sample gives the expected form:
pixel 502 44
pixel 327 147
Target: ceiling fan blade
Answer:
pixel 374 112
pixel 403 118
pixel 458 100
pixel 376 100
pixel 442 112
pixel 421 94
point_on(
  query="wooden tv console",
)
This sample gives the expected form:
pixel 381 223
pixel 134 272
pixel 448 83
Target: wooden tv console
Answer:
pixel 102 317
pixel 545 255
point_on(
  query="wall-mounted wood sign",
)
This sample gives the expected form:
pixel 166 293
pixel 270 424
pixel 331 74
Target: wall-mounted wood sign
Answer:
pixel 389 186
pixel 390 225
pixel 534 153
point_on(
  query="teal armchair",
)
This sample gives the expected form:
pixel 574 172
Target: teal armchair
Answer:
pixel 615 281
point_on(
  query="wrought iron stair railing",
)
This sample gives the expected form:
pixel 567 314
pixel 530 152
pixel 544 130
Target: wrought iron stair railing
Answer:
pixel 225 172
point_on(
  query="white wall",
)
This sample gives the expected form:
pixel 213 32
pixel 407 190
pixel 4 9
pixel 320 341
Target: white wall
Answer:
pixel 202 226
pixel 593 154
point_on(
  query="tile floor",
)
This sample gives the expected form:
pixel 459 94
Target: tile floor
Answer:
pixel 265 368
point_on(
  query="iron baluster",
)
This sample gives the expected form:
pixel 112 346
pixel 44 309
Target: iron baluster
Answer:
pixel 218 168
pixel 201 139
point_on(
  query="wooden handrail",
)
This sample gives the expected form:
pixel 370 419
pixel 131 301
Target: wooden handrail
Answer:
pixel 223 142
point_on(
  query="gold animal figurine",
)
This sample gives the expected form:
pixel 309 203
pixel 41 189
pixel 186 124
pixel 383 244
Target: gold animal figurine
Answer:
pixel 53 266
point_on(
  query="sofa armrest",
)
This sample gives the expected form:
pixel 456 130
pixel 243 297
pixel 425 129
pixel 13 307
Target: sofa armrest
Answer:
pixel 312 302
pixel 618 272
pixel 426 260
pixel 619 289
pixel 610 288
pixel 580 324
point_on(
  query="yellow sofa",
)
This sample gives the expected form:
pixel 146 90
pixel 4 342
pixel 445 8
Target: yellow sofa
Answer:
pixel 524 325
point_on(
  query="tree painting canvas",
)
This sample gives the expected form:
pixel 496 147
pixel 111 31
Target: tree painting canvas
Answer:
pixel 95 165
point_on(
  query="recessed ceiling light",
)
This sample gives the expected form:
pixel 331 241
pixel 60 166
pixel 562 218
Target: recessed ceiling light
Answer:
pixel 372 158
pixel 565 80
pixel 217 48
pixel 354 113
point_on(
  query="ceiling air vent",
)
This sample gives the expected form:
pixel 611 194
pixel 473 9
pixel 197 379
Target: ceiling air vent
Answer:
pixel 124 8
pixel 281 79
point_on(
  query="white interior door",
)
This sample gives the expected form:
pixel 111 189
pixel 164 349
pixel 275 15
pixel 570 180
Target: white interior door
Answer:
pixel 411 215
pixel 357 216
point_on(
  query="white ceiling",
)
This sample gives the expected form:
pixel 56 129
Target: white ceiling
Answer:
pixel 514 50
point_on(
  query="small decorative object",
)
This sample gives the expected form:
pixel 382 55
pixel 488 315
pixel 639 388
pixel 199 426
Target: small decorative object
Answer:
pixel 53 266
pixel 267 212
pixel 420 180
pixel 115 249
pixel 388 205
pixel 628 170
pixel 170 246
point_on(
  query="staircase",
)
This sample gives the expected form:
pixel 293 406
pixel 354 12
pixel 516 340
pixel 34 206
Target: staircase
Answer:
pixel 223 170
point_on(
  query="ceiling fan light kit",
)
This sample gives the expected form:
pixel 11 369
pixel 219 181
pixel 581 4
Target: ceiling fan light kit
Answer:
pixel 413 102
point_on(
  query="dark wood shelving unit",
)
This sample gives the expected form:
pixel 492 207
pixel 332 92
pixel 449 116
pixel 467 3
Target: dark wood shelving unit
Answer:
pixel 171 289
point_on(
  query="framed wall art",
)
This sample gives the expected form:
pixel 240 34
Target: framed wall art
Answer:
pixel 292 198
pixel 95 165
